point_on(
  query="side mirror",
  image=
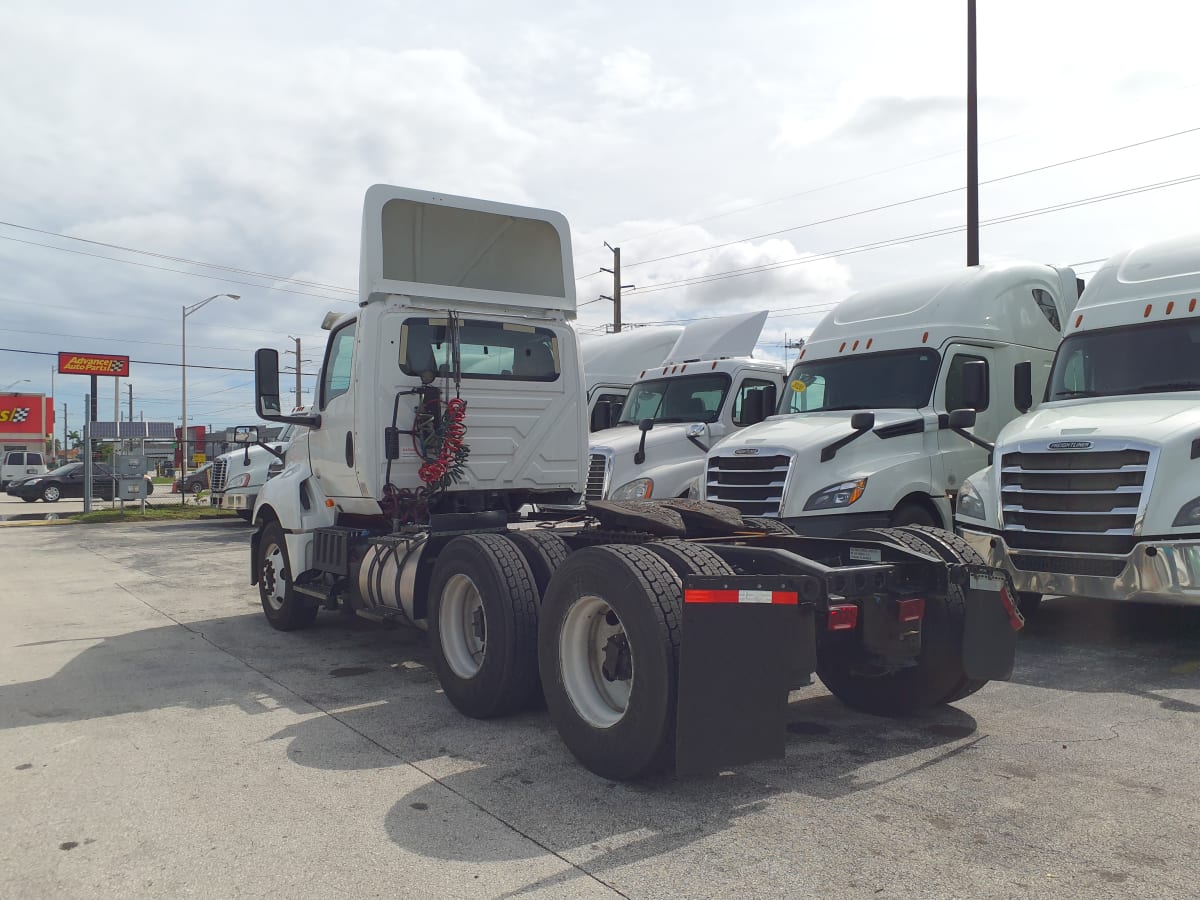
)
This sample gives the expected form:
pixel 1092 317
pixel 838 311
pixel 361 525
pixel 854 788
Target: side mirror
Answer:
pixel 266 382
pixel 962 418
pixel 645 425
pixel 245 434
pixel 697 430
pixel 862 421
pixel 1023 386
pixel 974 385
pixel 754 408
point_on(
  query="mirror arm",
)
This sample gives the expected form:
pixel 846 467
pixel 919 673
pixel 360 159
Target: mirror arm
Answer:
pixel 978 442
pixel 829 451
pixel 699 443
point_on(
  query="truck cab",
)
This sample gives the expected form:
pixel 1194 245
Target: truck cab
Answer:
pixel 1097 492
pixel 612 362
pixel 863 437
pixel 237 476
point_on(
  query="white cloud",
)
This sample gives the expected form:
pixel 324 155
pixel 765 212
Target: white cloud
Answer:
pixel 628 77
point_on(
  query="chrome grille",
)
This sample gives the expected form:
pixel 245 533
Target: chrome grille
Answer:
pixel 1077 501
pixel 220 471
pixel 753 485
pixel 599 468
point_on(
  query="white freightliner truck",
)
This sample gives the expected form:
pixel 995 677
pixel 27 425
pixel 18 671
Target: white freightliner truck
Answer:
pixel 675 412
pixel 237 476
pixel 612 363
pixel 451 399
pixel 863 436
pixel 1097 492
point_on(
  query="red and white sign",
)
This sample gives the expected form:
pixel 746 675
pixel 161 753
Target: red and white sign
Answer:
pixel 93 364
pixel 26 415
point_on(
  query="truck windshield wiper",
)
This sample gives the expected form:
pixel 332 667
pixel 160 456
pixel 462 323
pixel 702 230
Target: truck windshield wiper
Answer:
pixel 1166 386
pixel 1058 395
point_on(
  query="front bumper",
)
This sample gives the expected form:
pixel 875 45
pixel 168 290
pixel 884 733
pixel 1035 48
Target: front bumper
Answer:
pixel 1153 572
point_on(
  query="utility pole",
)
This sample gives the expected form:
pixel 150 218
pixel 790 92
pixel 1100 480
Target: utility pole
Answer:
pixel 972 144
pixel 64 446
pixel 617 286
pixel 298 361
pixel 131 402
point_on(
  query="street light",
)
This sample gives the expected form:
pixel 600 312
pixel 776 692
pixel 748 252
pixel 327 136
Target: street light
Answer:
pixel 187 311
pixel 18 381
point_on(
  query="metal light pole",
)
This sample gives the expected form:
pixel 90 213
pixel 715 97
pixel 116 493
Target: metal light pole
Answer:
pixel 187 311
pixel 972 143
pixel 18 381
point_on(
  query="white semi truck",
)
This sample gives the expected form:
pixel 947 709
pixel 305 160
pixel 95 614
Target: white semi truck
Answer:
pixel 238 475
pixel 863 438
pixel 451 399
pixel 1097 493
pixel 612 363
pixel 707 387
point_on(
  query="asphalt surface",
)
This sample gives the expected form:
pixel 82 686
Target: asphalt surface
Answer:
pixel 157 738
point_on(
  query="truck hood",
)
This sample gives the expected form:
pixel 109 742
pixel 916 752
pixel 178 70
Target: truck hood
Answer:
pixel 1156 419
pixel 623 440
pixel 807 433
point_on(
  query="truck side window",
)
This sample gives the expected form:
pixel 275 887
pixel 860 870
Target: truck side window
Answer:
pixel 335 378
pixel 749 385
pixel 1045 303
pixel 954 392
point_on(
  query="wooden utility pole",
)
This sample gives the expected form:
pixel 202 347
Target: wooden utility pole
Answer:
pixel 616 294
pixel 972 144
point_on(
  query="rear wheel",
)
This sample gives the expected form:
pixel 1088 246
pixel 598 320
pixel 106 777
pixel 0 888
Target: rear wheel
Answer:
pixel 938 676
pixel 544 551
pixel 483 625
pixel 284 608
pixel 608 651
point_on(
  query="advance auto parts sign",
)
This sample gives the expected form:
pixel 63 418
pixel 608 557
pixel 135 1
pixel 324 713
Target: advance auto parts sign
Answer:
pixel 93 364
pixel 21 414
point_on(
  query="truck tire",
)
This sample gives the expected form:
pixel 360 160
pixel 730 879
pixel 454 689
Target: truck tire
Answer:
pixel 770 526
pixel 909 513
pixel 608 651
pixel 544 551
pixel 483 625
pixel 284 608
pixel 689 559
pixel 938 676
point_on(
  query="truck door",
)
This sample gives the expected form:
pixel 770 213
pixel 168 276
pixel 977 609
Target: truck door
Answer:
pixel 332 447
pixel 748 385
pixel 959 457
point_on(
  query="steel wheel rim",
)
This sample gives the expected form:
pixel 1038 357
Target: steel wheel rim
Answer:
pixel 274 577
pixel 585 633
pixel 462 626
pixel 51 493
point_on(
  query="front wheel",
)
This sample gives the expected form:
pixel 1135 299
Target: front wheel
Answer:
pixel 483 626
pixel 608 652
pixel 196 488
pixel 51 493
pixel 285 609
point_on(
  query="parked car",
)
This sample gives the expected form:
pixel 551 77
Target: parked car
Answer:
pixel 196 481
pixel 67 481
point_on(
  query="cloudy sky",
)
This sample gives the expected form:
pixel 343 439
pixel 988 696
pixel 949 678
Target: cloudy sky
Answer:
pixel 777 156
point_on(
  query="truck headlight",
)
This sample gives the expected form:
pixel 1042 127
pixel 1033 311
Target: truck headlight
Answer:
pixel 1189 514
pixel 837 495
pixel 970 504
pixel 638 489
pixel 694 489
pixel 238 481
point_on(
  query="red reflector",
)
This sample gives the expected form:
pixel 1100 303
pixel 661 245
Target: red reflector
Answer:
pixel 843 617
pixel 912 610
pixel 700 595
pixel 1015 620
pixel 773 598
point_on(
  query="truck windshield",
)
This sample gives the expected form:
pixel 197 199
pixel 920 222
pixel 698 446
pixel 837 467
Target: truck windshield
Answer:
pixel 1132 359
pixel 688 398
pixel 898 379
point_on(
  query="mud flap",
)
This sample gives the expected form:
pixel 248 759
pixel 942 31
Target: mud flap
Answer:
pixel 744 640
pixel 991 624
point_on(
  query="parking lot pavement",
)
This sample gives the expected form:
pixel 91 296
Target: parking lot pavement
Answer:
pixel 14 509
pixel 157 738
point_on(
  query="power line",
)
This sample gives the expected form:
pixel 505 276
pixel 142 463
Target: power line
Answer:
pixel 905 202
pixel 918 236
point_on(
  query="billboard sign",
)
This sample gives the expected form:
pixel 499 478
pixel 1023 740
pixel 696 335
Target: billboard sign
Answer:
pixel 93 364
pixel 23 414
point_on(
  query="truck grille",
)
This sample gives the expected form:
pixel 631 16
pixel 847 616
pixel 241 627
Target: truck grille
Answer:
pixel 1079 501
pixel 220 471
pixel 753 485
pixel 599 468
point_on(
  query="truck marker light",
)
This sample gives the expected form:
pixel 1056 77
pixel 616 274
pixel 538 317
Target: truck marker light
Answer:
pixel 802 352
pixel 870 341
pixel 855 347
pixel 329 502
pixel 925 338
pixel 911 610
pixel 712 595
pixel 843 617
pixel 1078 319
pixel 1146 314
pixel 1170 306
pixel 1192 305
pixel 684 369
pixel 843 347
pixel 714 365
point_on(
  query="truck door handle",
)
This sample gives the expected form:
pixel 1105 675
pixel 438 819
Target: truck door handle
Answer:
pixel 349 449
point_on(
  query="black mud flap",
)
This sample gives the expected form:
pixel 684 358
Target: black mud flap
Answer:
pixel 991 624
pixel 744 641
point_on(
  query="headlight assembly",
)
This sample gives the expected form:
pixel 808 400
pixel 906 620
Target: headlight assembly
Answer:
pixel 837 495
pixel 1188 515
pixel 638 489
pixel 970 503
